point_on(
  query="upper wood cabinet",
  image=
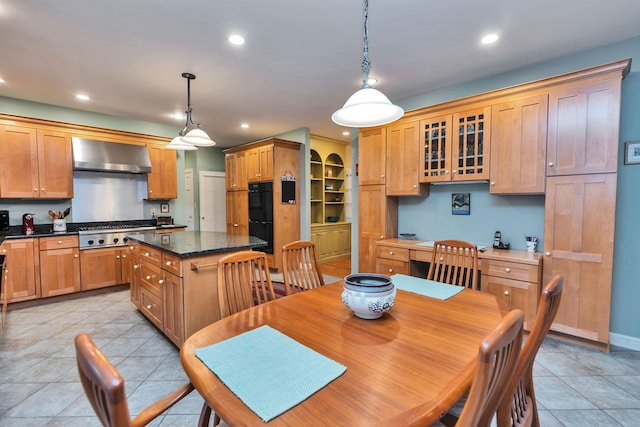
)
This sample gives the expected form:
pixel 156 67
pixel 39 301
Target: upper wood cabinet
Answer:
pixel 35 163
pixel 372 156
pixel 518 146
pixel 583 128
pixel 260 163
pixel 162 181
pixel 236 171
pixel 457 146
pixel 403 169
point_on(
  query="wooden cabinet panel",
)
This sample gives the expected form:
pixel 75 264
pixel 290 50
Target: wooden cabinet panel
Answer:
pixel 236 171
pixel 151 277
pixel 377 219
pixel 516 294
pixel 372 156
pixel 390 267
pixel 102 267
pixel 35 163
pixel 435 150
pixel 511 270
pixel 22 269
pixel 149 254
pixel 578 244
pixel 59 265
pixel 162 181
pixel 518 146
pixel 332 240
pixel 392 253
pixel 237 212
pixel 151 305
pixel 172 263
pixel 471 144
pixel 583 128
pixel 134 278
pixel 403 165
pixel 260 164
pixel 173 308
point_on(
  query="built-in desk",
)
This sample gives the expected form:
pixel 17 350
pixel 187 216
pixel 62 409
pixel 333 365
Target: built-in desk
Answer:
pixel 513 275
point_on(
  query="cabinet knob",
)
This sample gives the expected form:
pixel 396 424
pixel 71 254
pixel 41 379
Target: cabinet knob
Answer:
pixel 148 277
pixel 550 164
pixel 235 225
pixel 149 307
pixel 415 185
pixel 381 176
pixel 382 237
pixel 547 253
pixel 136 266
pixel 75 255
pixel 441 258
pixel 117 256
pixel 147 254
pixel 493 183
pixel 132 247
pixel 390 252
pixel 508 270
pixel 160 281
pixel 446 172
pixel 35 189
pixel 169 263
pixel 42 189
pixel 506 293
pixel 454 171
pixel 391 270
pixel 124 256
pixel 59 242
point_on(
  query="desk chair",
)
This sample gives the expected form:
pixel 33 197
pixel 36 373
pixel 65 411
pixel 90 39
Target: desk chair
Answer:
pixel 497 358
pixel 104 387
pixel 454 262
pixel 518 407
pixel 300 267
pixel 243 281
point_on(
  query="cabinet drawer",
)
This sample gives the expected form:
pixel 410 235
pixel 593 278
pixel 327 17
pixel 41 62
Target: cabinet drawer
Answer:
pixel 150 254
pixel 172 263
pixel 391 252
pixel 61 242
pixel 389 267
pixel 151 277
pixel 151 306
pixel 511 270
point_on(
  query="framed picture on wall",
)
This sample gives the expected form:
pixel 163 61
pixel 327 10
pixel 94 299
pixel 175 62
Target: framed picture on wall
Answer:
pixel 164 207
pixel 460 203
pixel 632 153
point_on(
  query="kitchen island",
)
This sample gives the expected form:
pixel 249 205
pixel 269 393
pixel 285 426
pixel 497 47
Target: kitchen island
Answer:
pixel 174 277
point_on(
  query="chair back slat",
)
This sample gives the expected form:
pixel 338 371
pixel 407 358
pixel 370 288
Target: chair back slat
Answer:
pixel 243 281
pixel 454 262
pixel 300 267
pixel 497 358
pixel 519 408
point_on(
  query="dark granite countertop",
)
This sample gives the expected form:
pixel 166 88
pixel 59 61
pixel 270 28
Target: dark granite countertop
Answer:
pixel 197 243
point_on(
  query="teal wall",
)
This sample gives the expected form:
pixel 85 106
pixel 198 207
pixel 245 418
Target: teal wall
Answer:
pixel 431 217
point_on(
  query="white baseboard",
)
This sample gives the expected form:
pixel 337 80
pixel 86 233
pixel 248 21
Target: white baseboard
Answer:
pixel 632 343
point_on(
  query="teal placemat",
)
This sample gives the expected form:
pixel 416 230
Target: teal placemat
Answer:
pixel 268 371
pixel 425 287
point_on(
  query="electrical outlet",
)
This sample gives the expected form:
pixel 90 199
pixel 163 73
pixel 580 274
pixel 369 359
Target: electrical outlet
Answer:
pixel 153 212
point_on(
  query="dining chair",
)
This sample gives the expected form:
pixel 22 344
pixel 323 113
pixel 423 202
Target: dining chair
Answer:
pixel 454 262
pixel 4 287
pixel 300 267
pixel 497 358
pixel 243 281
pixel 104 387
pixel 518 407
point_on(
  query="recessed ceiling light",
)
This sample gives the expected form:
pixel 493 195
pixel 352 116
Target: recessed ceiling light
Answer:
pixel 177 116
pixel 82 97
pixel 346 133
pixel 236 39
pixel 244 125
pixel 1 80
pixel 372 81
pixel 490 38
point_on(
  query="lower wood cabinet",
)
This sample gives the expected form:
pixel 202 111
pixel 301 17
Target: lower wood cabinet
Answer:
pixel 103 267
pixel 22 269
pixel 332 240
pixel 59 265
pixel 173 307
pixel 391 260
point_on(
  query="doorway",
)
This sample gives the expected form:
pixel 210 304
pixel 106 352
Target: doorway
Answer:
pixel 212 195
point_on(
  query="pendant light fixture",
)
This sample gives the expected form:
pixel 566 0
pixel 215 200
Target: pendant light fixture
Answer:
pixel 368 106
pixel 191 136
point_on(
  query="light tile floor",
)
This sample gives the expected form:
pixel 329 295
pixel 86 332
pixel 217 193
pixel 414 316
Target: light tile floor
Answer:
pixel 39 383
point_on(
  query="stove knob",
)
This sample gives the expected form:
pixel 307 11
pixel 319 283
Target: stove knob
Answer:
pixel 116 240
pixel 125 240
pixel 90 242
pixel 101 241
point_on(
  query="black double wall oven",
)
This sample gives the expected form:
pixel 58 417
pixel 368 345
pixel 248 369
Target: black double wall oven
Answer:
pixel 261 213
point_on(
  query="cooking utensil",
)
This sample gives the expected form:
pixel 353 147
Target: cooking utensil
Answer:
pixel 52 214
pixel 66 212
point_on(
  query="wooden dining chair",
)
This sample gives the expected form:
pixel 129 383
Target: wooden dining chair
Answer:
pixel 497 358
pixel 518 407
pixel 104 387
pixel 243 281
pixel 300 267
pixel 454 262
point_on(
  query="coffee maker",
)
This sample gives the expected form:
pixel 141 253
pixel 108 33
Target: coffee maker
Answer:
pixel 27 224
pixel 4 220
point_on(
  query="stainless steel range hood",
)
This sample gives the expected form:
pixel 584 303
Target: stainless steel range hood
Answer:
pixel 102 156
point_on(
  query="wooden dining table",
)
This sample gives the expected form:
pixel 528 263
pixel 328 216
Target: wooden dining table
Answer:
pixel 408 367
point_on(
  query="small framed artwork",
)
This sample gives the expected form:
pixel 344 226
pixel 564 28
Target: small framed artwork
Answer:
pixel 164 207
pixel 632 153
pixel 460 203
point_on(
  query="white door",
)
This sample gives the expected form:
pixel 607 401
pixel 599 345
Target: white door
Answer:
pixel 212 197
pixel 188 186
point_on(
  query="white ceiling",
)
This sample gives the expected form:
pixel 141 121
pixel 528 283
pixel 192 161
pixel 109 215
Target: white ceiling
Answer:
pixel 301 60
